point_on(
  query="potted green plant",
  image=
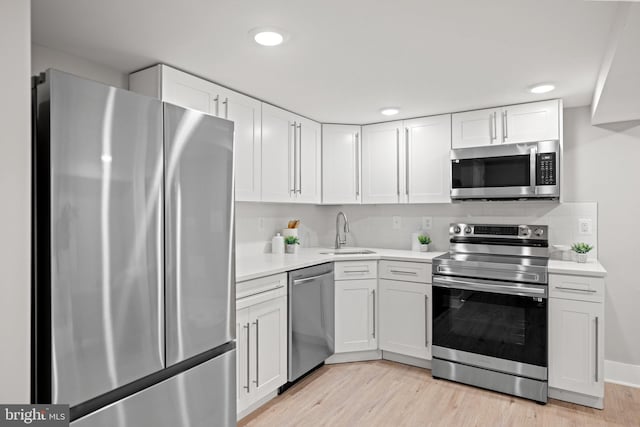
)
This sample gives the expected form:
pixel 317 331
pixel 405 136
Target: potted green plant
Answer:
pixel 291 244
pixel 424 242
pixel 581 250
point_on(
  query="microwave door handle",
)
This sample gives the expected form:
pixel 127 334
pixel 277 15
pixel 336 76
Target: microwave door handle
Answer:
pixel 532 168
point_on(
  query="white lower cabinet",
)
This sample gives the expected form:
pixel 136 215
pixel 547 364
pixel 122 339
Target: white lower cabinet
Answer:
pixel 405 314
pixel 576 342
pixel 356 319
pixel 261 331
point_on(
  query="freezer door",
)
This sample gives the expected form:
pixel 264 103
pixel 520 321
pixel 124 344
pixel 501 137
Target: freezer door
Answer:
pixel 199 213
pixel 203 396
pixel 104 239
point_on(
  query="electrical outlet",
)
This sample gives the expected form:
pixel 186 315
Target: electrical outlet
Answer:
pixel 585 226
pixel 397 223
pixel 426 222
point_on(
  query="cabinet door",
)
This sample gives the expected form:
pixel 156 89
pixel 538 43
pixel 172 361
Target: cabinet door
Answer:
pixel 340 164
pixel 536 121
pixel 242 358
pixel 428 143
pixel 268 353
pixel 476 128
pixel 309 160
pixel 576 350
pixel 277 154
pixel 381 158
pixel 246 115
pixel 405 318
pixel 356 315
pixel 188 91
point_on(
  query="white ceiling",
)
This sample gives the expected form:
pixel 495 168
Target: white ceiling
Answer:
pixel 347 59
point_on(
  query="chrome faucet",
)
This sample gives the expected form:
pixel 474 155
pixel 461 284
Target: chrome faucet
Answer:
pixel 341 242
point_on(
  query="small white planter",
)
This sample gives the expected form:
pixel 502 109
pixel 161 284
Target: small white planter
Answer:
pixel 424 248
pixel 291 249
pixel 581 258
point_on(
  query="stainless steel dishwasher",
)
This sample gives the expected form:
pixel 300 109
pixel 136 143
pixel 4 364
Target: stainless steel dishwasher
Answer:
pixel 311 318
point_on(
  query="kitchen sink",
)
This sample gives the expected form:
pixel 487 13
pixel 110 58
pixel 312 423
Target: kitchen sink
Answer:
pixel 348 251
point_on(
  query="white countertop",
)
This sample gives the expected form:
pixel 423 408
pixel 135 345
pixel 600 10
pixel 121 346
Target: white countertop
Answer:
pixel 258 265
pixel 591 268
pixel 252 266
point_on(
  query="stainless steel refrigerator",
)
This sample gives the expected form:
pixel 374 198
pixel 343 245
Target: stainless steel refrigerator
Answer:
pixel 134 297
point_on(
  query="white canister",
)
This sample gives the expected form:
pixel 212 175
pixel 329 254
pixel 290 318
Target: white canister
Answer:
pixel 277 244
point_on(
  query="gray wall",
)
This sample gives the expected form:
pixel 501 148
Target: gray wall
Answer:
pixel 601 164
pixel 15 193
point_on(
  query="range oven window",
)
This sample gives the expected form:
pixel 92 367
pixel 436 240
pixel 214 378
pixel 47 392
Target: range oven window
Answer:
pixel 487 172
pixel 503 326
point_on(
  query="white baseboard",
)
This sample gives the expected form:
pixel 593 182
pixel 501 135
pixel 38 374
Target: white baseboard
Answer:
pixel 407 360
pixel 354 356
pixel 622 373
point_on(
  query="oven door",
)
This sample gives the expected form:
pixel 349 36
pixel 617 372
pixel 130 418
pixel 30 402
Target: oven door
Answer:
pixel 496 325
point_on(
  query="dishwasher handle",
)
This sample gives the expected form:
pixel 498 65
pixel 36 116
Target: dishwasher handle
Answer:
pixel 312 278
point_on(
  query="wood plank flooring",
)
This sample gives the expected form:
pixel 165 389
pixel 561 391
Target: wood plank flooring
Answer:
pixel 382 393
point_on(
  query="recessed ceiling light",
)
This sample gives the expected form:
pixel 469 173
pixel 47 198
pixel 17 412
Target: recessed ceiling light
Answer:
pixel 389 111
pixel 268 36
pixel 542 88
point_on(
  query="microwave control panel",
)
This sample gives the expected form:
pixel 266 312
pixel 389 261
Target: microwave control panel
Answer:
pixel 546 169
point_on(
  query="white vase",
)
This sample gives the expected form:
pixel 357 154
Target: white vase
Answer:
pixel 582 258
pixel 424 248
pixel 292 249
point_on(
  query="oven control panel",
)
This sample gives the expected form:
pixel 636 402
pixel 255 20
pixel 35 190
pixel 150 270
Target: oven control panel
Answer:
pixel 546 169
pixel 494 231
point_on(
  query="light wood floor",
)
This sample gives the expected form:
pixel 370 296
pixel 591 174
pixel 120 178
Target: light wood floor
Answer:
pixel 382 393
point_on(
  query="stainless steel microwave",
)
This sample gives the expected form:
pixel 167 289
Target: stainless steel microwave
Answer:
pixel 506 171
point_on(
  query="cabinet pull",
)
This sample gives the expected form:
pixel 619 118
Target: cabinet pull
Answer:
pixel 248 358
pixel 373 292
pixel 257 353
pixel 295 149
pixel 356 271
pixel 226 108
pixel 357 165
pixel 300 158
pixel 407 273
pixel 217 100
pixel 591 291
pixel 426 320
pixel 406 165
pixel 491 127
pixel 596 358
pixel 398 162
pixel 505 126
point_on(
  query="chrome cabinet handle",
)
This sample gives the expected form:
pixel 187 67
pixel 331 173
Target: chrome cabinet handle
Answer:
pixel 491 127
pixel 357 164
pixel 248 358
pixel 373 292
pixel 426 320
pixel 576 289
pixel 256 381
pixel 505 126
pixel 408 273
pixel 300 158
pixel 356 271
pixel 226 108
pixel 217 100
pixel 398 161
pixel 293 190
pixel 406 165
pixel 596 349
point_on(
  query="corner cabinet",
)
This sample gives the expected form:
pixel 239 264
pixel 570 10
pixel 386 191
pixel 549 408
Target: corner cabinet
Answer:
pixel 291 150
pixel 261 334
pixel 407 161
pixel 341 164
pixel 534 121
pixel 177 87
pixel 576 339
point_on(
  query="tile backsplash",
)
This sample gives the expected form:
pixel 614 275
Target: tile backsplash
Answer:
pixel 373 225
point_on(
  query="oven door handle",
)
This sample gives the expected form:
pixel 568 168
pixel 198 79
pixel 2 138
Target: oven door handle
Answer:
pixel 490 286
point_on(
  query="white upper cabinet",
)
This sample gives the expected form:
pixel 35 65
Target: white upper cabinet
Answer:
pixel 179 88
pixel 534 121
pixel 537 121
pixel 341 164
pixel 291 150
pixel 407 161
pixel 476 128
pixel 427 168
pixel 381 168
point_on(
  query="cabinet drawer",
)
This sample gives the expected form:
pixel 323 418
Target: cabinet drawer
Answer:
pixel 350 270
pixel 261 285
pixel 576 287
pixel 407 271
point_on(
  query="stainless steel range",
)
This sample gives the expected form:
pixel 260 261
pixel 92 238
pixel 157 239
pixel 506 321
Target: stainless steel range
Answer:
pixel 490 309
